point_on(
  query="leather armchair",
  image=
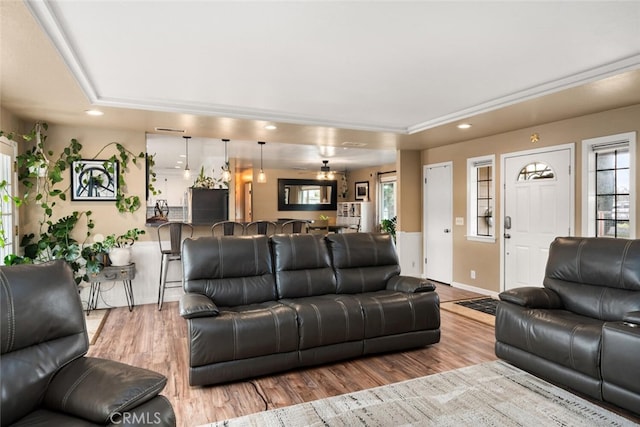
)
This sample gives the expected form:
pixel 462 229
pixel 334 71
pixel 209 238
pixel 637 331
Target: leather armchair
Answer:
pixel 582 329
pixel 46 378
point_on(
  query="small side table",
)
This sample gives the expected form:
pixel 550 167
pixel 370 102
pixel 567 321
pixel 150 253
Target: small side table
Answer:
pixel 125 273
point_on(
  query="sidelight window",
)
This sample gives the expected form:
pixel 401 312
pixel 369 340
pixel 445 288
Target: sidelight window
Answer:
pixel 481 191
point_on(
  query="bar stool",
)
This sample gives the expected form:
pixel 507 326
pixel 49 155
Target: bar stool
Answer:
pixel 227 228
pixel 172 252
pixel 268 228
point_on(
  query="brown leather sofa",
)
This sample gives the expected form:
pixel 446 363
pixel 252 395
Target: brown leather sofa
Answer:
pixel 256 305
pixel 582 329
pixel 46 380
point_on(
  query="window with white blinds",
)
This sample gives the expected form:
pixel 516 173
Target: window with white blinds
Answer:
pixel 609 186
pixel 481 198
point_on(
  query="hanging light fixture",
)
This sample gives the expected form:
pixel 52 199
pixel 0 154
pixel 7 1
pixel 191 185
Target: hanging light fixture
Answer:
pixel 187 171
pixel 226 173
pixel 325 171
pixel 262 178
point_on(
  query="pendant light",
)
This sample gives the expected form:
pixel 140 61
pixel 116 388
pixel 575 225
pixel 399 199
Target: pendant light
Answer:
pixel 226 173
pixel 325 171
pixel 187 171
pixel 262 178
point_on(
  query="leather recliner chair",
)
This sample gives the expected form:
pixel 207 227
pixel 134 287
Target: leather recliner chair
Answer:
pixel 46 380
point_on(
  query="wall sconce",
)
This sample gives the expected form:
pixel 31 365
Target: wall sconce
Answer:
pixel 262 178
pixel 187 171
pixel 535 138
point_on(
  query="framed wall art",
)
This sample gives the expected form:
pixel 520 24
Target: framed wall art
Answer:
pixel 94 180
pixel 362 190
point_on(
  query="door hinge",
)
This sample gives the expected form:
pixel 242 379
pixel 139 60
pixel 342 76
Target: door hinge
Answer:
pixel 425 180
pixel 15 230
pixel 569 169
pixel 425 260
pixel 15 166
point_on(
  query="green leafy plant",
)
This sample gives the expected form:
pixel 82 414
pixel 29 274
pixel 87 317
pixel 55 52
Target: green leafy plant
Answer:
pixel 389 226
pixel 41 176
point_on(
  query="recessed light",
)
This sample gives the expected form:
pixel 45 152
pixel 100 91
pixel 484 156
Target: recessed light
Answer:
pixel 271 127
pixel 464 126
pixel 94 112
pixel 183 155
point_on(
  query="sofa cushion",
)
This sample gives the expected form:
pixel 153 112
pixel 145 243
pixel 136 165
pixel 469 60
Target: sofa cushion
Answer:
pixel 327 319
pixel 391 312
pixel 243 332
pixel 302 266
pixel 363 262
pixel 230 270
pixel 560 336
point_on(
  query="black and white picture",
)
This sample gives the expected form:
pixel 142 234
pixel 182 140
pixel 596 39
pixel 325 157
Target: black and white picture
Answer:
pixel 362 190
pixel 94 180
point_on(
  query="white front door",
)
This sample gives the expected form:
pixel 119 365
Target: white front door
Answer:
pixel 438 235
pixel 538 201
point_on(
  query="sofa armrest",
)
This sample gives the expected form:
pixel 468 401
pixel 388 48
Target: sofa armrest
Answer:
pixel 100 390
pixel 409 284
pixel 197 305
pixel 532 297
pixel 632 317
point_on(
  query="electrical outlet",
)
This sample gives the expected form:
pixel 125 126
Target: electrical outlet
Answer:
pixel 473 274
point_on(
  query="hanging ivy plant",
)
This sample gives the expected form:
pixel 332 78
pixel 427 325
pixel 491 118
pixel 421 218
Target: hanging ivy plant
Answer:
pixel 41 177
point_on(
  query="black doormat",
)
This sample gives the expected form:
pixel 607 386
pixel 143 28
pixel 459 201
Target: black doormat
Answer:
pixel 485 305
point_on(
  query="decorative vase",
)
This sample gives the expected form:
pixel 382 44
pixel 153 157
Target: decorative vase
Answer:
pixel 120 256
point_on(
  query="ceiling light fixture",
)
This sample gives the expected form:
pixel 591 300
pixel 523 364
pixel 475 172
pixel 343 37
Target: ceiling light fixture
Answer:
pixel 187 171
pixel 262 178
pixel 464 126
pixel 325 171
pixel 226 173
pixel 94 112
pixel 271 127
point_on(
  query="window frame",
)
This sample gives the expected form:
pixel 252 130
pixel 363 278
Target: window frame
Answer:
pixel 607 144
pixel 382 180
pixel 473 164
pixel 9 148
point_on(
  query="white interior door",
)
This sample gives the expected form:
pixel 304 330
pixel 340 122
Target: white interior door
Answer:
pixel 438 235
pixel 538 200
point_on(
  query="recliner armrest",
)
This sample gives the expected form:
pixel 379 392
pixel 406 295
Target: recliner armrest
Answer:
pixel 101 390
pixel 409 284
pixel 632 317
pixel 532 297
pixel 197 305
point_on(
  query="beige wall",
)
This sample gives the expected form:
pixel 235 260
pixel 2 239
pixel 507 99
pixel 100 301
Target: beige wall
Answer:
pixel 484 258
pixel 409 191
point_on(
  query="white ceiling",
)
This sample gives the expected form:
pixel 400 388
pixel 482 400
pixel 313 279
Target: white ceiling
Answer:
pixel 390 75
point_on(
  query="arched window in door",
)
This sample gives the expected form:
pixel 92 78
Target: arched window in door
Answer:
pixel 536 170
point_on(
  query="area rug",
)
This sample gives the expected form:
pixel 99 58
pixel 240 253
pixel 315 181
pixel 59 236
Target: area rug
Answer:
pixel 489 394
pixel 95 321
pixel 483 305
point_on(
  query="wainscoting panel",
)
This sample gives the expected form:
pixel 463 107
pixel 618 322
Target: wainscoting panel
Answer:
pixel 409 246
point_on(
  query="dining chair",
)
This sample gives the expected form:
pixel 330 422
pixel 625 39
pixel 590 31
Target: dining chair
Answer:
pixel 268 228
pixel 227 228
pixel 295 226
pixel 170 236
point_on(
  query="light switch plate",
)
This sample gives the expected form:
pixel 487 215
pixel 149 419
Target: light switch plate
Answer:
pixel 459 220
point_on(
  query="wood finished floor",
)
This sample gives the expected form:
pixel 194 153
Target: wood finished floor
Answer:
pixel 157 340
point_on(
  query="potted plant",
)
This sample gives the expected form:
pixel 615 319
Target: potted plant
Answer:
pixel 389 226
pixel 119 247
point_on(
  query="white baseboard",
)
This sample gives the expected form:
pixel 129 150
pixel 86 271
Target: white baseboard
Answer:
pixel 475 289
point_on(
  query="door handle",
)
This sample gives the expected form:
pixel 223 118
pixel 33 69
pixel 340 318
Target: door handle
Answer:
pixel 446 230
pixel 507 235
pixel 507 222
